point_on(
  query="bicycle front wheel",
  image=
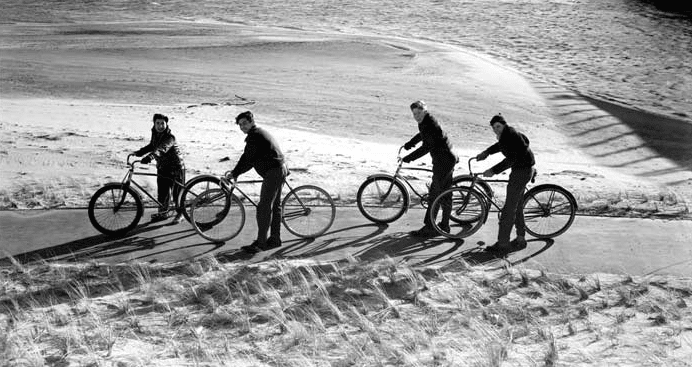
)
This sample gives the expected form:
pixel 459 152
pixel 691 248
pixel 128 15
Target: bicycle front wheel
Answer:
pixel 468 212
pixel 115 209
pixel 217 215
pixel 308 211
pixel 549 210
pixel 193 188
pixel 382 199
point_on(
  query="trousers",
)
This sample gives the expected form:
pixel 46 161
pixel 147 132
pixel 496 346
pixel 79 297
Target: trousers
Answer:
pixel 269 206
pixel 441 181
pixel 512 214
pixel 165 186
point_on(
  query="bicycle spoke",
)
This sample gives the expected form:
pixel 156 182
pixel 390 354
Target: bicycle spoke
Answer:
pixel 308 211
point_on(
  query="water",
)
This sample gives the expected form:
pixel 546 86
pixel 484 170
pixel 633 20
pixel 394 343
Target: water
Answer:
pixel 624 50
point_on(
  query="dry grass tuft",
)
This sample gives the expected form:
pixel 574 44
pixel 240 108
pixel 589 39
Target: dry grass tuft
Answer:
pixel 290 313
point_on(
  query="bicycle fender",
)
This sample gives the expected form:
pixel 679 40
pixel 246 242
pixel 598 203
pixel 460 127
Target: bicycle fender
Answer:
pixel 552 186
pixel 484 185
pixel 202 177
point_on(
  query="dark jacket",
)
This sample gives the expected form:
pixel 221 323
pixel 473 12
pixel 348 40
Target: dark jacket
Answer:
pixel 515 147
pixel 164 149
pixel 435 142
pixel 261 153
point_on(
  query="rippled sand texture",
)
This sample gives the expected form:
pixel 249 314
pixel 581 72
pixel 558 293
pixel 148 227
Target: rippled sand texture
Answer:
pixel 628 51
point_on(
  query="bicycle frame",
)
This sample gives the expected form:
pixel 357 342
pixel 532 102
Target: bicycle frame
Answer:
pixel 227 185
pixel 129 180
pixel 477 180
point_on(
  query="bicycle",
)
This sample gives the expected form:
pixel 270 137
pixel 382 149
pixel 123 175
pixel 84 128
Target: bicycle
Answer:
pixel 218 214
pixel 384 198
pixel 117 207
pixel 549 209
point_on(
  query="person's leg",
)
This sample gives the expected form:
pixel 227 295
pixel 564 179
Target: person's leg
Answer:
pixel 519 224
pixel 269 193
pixel 178 175
pixel 275 229
pixel 518 179
pixel 163 183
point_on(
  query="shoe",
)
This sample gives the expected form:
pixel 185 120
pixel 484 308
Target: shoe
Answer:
pixel 252 248
pixel 443 227
pixel 178 218
pixel 273 242
pixel 498 247
pixel 519 242
pixel 157 217
pixel 426 231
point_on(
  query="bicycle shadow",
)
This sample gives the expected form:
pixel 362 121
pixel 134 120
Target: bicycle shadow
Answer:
pixel 477 256
pixel 308 247
pixel 103 246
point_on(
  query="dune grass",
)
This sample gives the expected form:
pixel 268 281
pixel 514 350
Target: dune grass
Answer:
pixel 350 313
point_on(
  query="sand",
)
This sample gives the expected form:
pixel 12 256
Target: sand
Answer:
pixel 76 99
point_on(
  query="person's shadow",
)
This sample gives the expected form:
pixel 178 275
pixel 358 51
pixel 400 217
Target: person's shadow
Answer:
pixel 477 255
pixel 103 246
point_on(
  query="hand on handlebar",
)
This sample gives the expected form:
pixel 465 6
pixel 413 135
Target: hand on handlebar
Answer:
pixel 481 156
pixel 146 160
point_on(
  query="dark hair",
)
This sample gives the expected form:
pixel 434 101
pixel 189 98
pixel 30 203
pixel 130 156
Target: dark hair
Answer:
pixel 418 104
pixel 245 115
pixel 158 116
pixel 498 118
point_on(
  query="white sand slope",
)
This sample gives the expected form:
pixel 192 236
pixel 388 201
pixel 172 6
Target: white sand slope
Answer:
pixel 337 104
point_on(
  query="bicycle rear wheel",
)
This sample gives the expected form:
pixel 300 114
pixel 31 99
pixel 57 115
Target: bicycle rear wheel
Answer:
pixel 382 199
pixel 308 211
pixel 467 205
pixel 193 188
pixel 115 209
pixel 217 215
pixel 549 210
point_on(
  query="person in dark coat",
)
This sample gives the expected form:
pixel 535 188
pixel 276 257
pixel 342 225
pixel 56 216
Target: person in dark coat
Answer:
pixel 435 142
pixel 263 154
pixel 519 157
pixel 169 166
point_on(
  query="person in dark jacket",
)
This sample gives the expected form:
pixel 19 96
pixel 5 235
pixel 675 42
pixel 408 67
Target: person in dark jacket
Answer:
pixel 519 157
pixel 263 154
pixel 435 142
pixel 169 166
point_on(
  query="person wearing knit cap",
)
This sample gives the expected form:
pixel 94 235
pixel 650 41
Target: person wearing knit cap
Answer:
pixel 169 166
pixel 519 157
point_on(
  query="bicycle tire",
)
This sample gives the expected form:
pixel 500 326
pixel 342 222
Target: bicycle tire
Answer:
pixel 115 209
pixel 549 210
pixel 468 205
pixel 382 199
pixel 193 188
pixel 217 215
pixel 485 189
pixel 308 211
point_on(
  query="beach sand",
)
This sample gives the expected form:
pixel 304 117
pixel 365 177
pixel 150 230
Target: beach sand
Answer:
pixel 75 99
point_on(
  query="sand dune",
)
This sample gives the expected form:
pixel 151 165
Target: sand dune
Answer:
pixel 75 99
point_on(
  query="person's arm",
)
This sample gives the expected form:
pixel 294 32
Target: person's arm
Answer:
pixel 421 151
pixel 517 148
pixel 143 150
pixel 245 163
pixel 414 140
pixel 164 145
